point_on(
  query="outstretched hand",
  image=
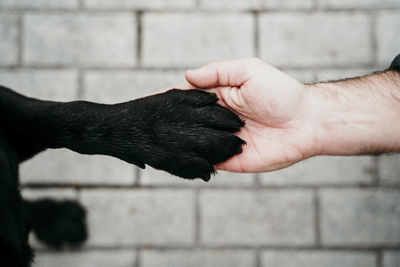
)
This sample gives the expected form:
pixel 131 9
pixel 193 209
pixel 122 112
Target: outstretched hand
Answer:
pixel 279 130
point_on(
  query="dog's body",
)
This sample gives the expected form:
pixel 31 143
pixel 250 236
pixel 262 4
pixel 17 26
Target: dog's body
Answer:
pixel 182 132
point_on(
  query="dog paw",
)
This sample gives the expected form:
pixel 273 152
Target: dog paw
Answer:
pixel 58 223
pixel 184 132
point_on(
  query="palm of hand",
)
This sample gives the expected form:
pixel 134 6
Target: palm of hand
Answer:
pixel 276 131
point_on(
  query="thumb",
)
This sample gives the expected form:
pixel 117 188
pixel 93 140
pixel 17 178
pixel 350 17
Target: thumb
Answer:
pixel 224 73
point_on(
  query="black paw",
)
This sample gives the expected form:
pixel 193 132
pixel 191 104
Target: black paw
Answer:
pixel 58 223
pixel 183 132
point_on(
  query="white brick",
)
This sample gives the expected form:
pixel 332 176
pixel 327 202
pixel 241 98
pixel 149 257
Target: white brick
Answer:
pixel 231 4
pixel 388 36
pixel 317 259
pixel 320 39
pixel 389 169
pixel 39 3
pixel 255 4
pixel 9 40
pixel 359 3
pixel 304 76
pixel 360 217
pixel 59 193
pixel 323 170
pixel 80 39
pixel 99 258
pixel 257 217
pixel 176 40
pixel 140 4
pixel 64 166
pixel 338 74
pixel 150 176
pixel 198 258
pixel 288 4
pixel 147 217
pixel 391 259
pixel 121 86
pixel 55 85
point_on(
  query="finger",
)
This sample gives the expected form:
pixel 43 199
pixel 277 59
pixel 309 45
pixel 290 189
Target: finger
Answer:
pixel 231 98
pixel 225 73
pixel 227 165
pixel 231 165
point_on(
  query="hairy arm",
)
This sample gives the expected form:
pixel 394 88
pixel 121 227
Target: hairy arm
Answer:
pixel 287 121
pixel 357 116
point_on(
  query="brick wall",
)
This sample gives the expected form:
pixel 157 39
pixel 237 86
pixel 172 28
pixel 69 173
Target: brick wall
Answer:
pixel 326 211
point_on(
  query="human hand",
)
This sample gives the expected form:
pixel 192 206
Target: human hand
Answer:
pixel 279 128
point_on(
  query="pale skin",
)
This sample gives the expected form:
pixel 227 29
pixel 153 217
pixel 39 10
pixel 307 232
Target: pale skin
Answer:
pixel 287 121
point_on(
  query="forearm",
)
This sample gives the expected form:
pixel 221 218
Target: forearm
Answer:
pixel 357 116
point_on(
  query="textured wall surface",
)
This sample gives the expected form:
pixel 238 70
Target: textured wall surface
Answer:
pixel 326 211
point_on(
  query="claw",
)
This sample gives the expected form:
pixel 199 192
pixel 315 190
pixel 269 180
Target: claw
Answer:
pixel 206 177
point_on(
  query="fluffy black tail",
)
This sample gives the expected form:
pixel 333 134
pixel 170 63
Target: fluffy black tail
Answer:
pixel 56 223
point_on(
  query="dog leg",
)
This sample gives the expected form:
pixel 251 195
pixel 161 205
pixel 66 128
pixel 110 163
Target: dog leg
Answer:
pixel 183 132
pixel 14 248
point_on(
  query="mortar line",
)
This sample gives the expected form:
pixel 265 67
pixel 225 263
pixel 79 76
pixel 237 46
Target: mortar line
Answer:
pixel 212 187
pixel 256 37
pixel 373 37
pixel 138 252
pixel 197 219
pixel 20 39
pixel 61 10
pixel 258 258
pixel 257 180
pixel 78 193
pixel 315 5
pixel 80 88
pixel 375 171
pixel 171 247
pixel 139 39
pixel 173 68
pixel 317 218
pixel 379 258
pixel 138 177
pixel 81 5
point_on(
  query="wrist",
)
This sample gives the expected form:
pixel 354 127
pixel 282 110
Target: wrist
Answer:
pixel 73 123
pixel 356 116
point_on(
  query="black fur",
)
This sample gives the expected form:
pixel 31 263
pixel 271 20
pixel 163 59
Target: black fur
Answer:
pixel 182 132
pixel 56 223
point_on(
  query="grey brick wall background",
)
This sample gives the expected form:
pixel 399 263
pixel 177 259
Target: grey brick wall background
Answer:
pixel 326 211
